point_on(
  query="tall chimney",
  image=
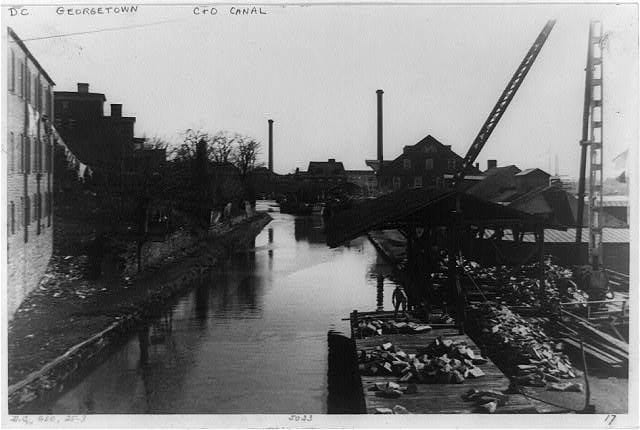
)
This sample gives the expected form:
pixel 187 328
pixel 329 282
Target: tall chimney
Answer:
pixel 271 145
pixel 83 88
pixel 116 110
pixel 380 154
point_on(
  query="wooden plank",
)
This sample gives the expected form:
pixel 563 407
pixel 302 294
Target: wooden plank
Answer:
pixel 606 337
pixel 595 353
pixel 438 398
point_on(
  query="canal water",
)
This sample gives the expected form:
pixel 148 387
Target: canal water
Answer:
pixel 252 338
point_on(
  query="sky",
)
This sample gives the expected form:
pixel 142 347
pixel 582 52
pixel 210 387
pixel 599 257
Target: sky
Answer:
pixel 314 70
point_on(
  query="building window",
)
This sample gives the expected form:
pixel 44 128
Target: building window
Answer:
pixel 27 154
pixel 27 211
pixel 49 103
pixel 417 182
pixel 451 164
pixel 21 154
pixel 34 213
pixel 438 182
pixel 428 164
pixel 12 153
pixel 27 82
pixel 406 163
pixel 21 79
pixel 12 73
pixel 12 217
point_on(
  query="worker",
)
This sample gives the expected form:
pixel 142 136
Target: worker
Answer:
pixel 399 298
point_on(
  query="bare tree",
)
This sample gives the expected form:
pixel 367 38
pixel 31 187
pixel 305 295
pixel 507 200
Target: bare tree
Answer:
pixel 221 149
pixel 246 154
pixel 187 149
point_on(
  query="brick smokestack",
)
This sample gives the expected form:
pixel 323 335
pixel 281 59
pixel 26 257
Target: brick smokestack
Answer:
pixel 116 110
pixel 380 153
pixel 271 145
pixel 83 88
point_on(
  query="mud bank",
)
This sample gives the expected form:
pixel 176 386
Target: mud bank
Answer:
pixel 60 335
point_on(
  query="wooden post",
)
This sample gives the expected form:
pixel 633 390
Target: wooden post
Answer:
pixel 540 238
pixel 353 320
pixel 454 282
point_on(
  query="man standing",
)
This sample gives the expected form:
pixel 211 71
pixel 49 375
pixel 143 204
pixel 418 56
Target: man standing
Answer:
pixel 399 299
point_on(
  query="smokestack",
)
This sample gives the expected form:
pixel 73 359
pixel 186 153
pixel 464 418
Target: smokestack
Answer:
pixel 83 88
pixel 271 145
pixel 492 164
pixel 116 110
pixel 380 154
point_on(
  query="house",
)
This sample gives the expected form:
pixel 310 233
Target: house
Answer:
pixel 320 177
pixel 29 179
pixel 365 180
pixel 421 165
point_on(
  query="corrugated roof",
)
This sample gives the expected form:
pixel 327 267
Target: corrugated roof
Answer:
pixel 609 235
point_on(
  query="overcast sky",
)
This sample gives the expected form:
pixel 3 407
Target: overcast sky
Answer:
pixel 314 70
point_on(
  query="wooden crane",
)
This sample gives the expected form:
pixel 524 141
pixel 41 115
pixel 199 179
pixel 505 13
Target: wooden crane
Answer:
pixel 504 100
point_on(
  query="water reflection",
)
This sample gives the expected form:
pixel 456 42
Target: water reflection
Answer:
pixel 310 229
pixel 251 337
pixel 202 304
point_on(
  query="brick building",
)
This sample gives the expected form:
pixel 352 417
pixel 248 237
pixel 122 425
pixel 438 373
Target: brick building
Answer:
pixel 98 140
pixel 29 170
pixel 102 142
pixel 421 165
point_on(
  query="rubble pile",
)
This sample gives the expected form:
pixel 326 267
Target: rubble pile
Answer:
pixel 522 287
pixel 376 327
pixel 520 347
pixel 442 362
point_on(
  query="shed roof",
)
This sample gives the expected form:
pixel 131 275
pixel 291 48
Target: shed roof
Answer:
pixel 431 206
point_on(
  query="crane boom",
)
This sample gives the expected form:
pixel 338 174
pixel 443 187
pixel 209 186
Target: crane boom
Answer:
pixel 503 102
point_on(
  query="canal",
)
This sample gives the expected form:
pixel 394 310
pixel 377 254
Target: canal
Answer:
pixel 251 338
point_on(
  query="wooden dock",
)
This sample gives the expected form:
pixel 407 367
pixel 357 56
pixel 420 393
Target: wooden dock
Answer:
pixel 438 398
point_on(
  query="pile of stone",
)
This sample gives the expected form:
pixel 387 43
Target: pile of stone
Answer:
pixel 376 327
pixel 442 362
pixel 519 347
pixel 522 287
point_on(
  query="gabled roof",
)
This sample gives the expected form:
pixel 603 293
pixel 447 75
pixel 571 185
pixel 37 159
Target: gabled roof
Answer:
pixel 421 206
pixel 498 181
pixel 529 171
pixel 511 169
pixel 325 168
pixel 549 200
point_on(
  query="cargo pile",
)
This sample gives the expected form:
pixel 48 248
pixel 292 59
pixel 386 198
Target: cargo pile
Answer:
pixel 376 327
pixel 442 362
pixel 522 287
pixel 519 347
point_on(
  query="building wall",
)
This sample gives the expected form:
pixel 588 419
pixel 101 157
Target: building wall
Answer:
pixel 421 165
pixel 29 176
